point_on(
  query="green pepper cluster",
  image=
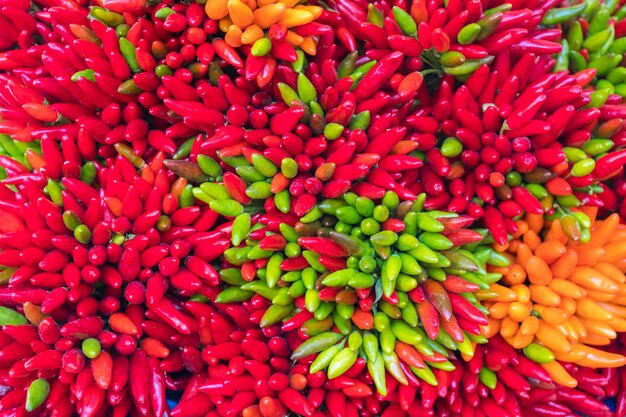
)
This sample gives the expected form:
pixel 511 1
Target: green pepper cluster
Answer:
pixel 373 283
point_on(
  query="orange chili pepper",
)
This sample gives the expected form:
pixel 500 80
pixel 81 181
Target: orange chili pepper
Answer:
pixel 492 328
pixel 523 293
pixel 568 304
pixel 565 265
pixel 267 15
pixel 499 310
pixel 508 327
pixel 601 233
pixel 33 313
pixel 294 17
pixel 535 222
pixel 516 275
pixel 586 307
pixel 178 186
pixel 252 411
pixel 316 11
pixel 593 279
pixel 114 204
pixel 550 250
pixel 556 232
pixel 595 340
pixel 504 293
pixel 279 183
pixel 529 326
pixel 575 355
pixel 589 255
pixel 518 311
pixel 233 36
pixel 543 295
pixel 611 271
pixel 216 9
pixel 578 326
pixel 614 252
pixel 599 328
pixel 532 239
pixel 618 324
pixel 539 273
pixel 523 254
pixel 566 288
pixel 597 358
pixel 559 374
pixel 552 338
pixel 293 38
pixel 600 295
pixel 554 315
pixel 309 46
pixel 240 14
pixel 521 340
pixel 35 160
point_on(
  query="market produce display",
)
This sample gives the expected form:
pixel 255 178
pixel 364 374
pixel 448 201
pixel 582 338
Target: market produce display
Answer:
pixel 272 208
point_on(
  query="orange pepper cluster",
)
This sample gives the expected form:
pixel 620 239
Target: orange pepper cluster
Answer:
pixel 562 294
pixel 246 22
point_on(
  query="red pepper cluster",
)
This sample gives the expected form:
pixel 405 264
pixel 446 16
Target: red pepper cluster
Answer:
pixel 112 260
pixel 119 263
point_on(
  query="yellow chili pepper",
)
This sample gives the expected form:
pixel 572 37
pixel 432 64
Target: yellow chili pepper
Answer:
pixel 216 9
pixel 240 13
pixel 251 34
pixel 233 36
pixel 293 17
pixel 559 374
pixel 266 16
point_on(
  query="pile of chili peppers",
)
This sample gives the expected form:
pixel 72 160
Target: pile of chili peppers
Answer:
pixel 348 208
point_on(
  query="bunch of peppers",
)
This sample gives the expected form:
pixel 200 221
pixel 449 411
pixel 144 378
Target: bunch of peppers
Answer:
pixel 195 193
pixel 561 293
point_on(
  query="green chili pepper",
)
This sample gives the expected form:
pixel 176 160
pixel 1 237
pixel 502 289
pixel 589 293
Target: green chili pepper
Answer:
pixel 323 359
pixel 561 15
pixel 488 378
pixel 228 208
pixel 333 131
pixel 405 21
pixel 9 317
pixel 376 369
pixel 375 16
pixel 360 71
pixel 300 62
pixel 233 295
pixel 426 375
pixel 575 36
pixel 184 149
pixel 306 90
pixel 91 348
pixel 107 17
pixel 316 344
pixel 562 59
pixel 468 66
pixel 360 121
pixel 468 33
pixel 88 74
pixel 538 353
pixel 128 52
pixel 287 93
pixel 163 12
pixel 36 394
pixel 261 47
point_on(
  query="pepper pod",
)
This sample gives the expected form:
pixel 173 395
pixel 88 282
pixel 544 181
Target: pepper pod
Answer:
pixel 387 274
pixel 102 274
pixel 560 298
